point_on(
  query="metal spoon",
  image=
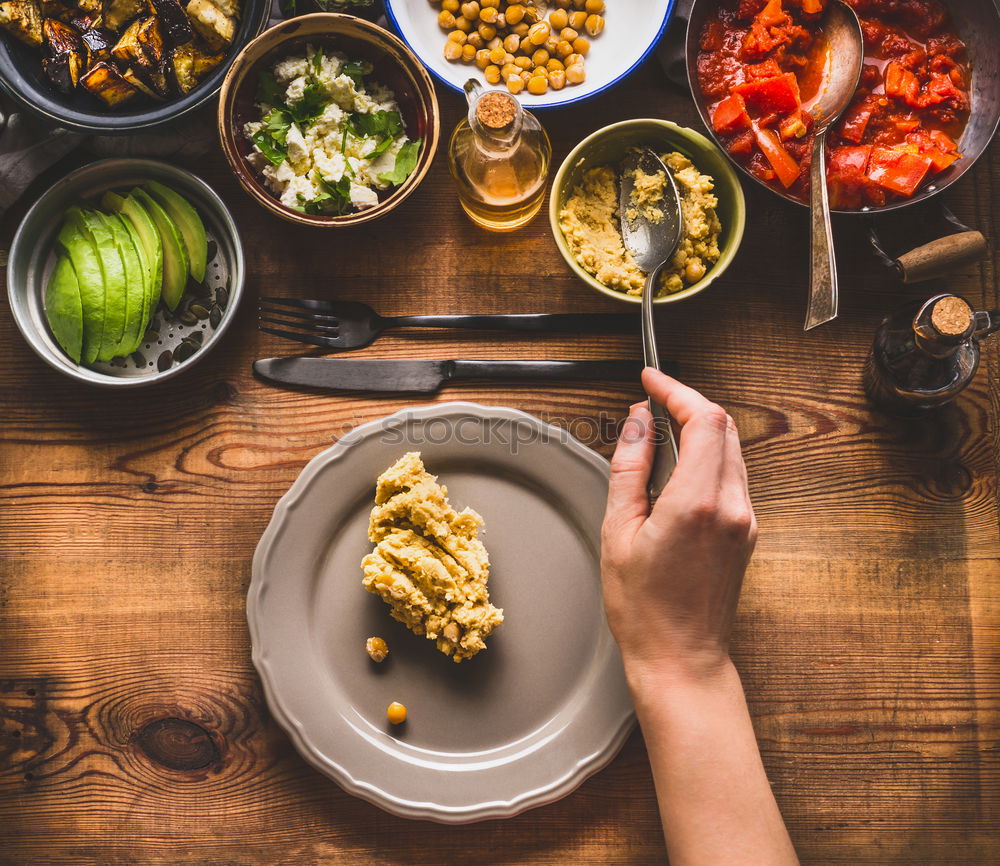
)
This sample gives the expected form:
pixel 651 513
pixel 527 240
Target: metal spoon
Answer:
pixel 652 245
pixel 844 58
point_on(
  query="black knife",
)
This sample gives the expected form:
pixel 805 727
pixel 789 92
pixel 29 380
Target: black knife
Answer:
pixel 425 377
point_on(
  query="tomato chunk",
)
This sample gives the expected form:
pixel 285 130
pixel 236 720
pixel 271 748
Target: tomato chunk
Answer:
pixel 849 160
pixel 855 121
pixel 730 115
pixel 785 167
pixel 897 170
pixel 902 84
pixel 779 94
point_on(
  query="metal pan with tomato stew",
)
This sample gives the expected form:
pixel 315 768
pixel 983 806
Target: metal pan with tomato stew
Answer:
pixel 756 67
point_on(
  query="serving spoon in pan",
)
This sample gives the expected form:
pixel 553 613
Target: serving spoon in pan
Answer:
pixel 652 245
pixel 843 58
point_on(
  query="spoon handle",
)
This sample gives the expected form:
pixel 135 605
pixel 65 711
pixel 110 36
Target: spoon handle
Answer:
pixel 665 456
pixel 823 271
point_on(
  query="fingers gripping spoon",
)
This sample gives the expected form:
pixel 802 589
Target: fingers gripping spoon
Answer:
pixel 651 230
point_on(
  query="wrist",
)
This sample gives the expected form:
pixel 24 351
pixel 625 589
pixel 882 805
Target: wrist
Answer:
pixel 655 680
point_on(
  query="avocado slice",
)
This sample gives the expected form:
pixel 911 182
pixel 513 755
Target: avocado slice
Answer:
pixel 114 283
pixel 144 265
pixel 175 260
pixel 64 309
pixel 139 220
pixel 186 218
pixel 135 285
pixel 82 253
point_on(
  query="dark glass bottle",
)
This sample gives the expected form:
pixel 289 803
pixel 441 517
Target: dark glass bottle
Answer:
pixel 926 353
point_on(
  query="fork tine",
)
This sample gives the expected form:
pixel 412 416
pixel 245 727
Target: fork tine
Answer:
pixel 302 304
pixel 325 342
pixel 305 326
pixel 294 314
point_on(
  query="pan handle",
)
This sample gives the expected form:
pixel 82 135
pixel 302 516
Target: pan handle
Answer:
pixel 942 256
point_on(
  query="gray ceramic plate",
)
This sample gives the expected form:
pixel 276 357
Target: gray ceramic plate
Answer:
pixel 521 724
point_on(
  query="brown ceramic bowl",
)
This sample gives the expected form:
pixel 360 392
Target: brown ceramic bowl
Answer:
pixel 395 66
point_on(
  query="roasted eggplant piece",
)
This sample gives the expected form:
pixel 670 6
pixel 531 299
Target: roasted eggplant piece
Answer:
pixel 67 55
pixel 117 13
pixel 159 79
pixel 98 43
pixel 191 65
pixel 211 23
pixel 23 19
pixel 174 22
pixel 136 80
pixel 107 83
pixel 56 9
pixel 92 8
pixel 141 44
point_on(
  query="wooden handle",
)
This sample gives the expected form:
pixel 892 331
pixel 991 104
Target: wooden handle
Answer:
pixel 939 258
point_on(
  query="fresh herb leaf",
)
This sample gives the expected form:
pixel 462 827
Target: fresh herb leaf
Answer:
pixel 277 123
pixel 269 91
pixel 317 61
pixel 385 126
pixel 355 70
pixel 272 149
pixel 343 140
pixel 406 161
pixel 333 199
pixel 310 106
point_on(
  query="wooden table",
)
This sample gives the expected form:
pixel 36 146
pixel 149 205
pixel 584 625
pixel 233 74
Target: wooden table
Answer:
pixel 132 725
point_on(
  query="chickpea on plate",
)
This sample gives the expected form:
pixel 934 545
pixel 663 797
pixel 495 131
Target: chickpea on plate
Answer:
pixel 514 43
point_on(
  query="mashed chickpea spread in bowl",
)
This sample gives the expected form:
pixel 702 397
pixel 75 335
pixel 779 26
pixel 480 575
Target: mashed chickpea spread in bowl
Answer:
pixel 586 224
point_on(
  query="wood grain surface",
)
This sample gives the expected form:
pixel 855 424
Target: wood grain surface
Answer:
pixel 132 724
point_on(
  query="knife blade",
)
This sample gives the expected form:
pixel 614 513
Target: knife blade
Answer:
pixel 390 375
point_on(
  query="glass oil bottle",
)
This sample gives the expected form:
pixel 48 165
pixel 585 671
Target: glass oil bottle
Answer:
pixel 499 157
pixel 926 353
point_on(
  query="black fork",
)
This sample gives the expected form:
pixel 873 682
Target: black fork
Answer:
pixel 346 325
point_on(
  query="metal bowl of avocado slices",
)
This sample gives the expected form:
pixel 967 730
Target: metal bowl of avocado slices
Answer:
pixel 125 272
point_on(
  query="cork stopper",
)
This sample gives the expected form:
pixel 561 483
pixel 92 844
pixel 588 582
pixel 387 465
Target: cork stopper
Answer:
pixel 951 316
pixel 496 110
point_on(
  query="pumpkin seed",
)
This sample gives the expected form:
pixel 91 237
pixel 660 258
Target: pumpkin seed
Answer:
pixel 189 318
pixel 211 250
pixel 222 296
pixel 118 361
pixel 196 337
pixel 151 337
pixel 215 317
pixel 138 358
pixel 201 290
pixel 200 311
pixel 165 360
pixel 184 351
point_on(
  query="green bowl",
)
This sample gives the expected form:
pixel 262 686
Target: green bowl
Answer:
pixel 609 146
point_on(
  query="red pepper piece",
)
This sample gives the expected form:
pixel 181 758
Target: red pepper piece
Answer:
pixel 730 116
pixel 785 167
pixel 779 94
pixel 897 171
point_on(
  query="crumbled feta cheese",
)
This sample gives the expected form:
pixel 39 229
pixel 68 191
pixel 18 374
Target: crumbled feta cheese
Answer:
pixel 326 147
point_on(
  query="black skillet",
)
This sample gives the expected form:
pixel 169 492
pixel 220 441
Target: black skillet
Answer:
pixel 978 25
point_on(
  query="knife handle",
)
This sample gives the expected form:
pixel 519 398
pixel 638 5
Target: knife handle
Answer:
pixel 574 323
pixel 616 371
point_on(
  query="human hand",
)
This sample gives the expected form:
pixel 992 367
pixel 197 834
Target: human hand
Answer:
pixel 672 574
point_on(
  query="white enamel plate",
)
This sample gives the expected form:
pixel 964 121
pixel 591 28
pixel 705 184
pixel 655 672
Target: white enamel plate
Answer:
pixel 521 724
pixel 632 29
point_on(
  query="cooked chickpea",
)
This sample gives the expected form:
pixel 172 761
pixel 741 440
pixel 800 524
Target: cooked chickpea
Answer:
pixel 694 270
pixel 521 29
pixel 558 19
pixel 396 714
pixel 507 70
pixel 522 62
pixel 539 32
pixel 564 49
pixel 450 5
pixel 581 46
pixel 482 58
pixel 557 78
pixel 452 51
pixel 497 55
pixel 594 6
pixel 568 34
pixel 554 63
pixel 531 15
pixel 446 19
pixel 492 74
pixel 577 20
pixel 514 14
pixel 468 53
pixel 538 84
pixel 486 31
pixel 489 15
pixel 594 25
pixel 540 57
pixel 490 4
pixel 470 10
pixel 573 58
pixel 515 84
pixel 575 74
pixel 459 37
pixel 476 41
pixel 377 649
pixel 495 42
